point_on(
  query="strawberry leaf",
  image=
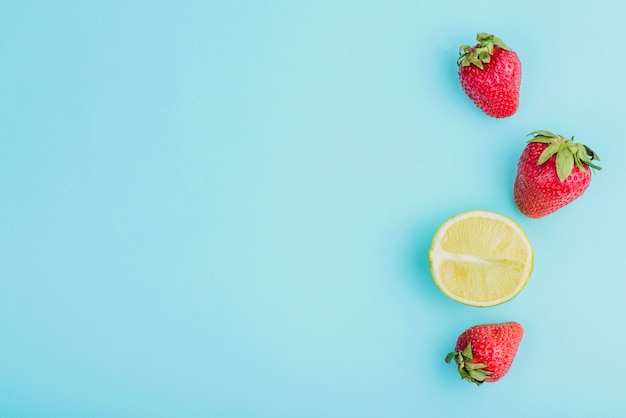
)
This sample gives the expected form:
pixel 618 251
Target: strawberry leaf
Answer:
pixel 478 375
pixel 451 356
pixel 591 153
pixel 564 162
pixel 476 62
pixel 545 137
pixel 464 374
pixel 488 39
pixel 475 366
pixel 543 133
pixel 499 42
pixel 484 55
pixel 472 372
pixel 481 53
pixel 583 156
pixel 548 152
pixel 567 152
pixel 542 139
pixel 467 352
pixel 595 167
pixel 585 159
pixel 580 155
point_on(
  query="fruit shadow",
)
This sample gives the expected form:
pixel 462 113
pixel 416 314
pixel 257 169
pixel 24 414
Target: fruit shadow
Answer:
pixel 449 76
pixel 418 262
pixel 505 171
pixel 450 69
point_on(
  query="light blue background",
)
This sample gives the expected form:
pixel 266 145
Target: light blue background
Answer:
pixel 223 209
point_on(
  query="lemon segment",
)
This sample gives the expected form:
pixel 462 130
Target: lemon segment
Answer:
pixel 480 258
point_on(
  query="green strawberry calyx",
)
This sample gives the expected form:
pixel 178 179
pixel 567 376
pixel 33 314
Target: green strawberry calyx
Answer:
pixel 480 53
pixel 568 153
pixel 470 371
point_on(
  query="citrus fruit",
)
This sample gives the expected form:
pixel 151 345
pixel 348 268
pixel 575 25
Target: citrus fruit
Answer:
pixel 480 258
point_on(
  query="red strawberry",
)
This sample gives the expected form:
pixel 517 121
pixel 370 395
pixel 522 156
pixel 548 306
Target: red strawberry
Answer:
pixel 484 353
pixel 491 75
pixel 552 172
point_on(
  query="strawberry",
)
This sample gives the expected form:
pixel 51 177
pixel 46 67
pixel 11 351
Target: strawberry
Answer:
pixel 484 353
pixel 552 172
pixel 491 75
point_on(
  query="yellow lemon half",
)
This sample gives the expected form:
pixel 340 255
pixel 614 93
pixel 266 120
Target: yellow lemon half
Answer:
pixel 480 258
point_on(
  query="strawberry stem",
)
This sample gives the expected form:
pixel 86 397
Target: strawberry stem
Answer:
pixel 568 153
pixel 468 370
pixel 480 53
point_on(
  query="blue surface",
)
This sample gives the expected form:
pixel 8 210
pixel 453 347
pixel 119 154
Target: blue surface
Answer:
pixel 224 209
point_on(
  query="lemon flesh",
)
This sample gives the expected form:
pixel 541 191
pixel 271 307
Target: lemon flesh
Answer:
pixel 480 258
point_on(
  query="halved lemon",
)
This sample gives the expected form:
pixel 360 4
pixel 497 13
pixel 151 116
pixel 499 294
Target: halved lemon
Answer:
pixel 480 258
